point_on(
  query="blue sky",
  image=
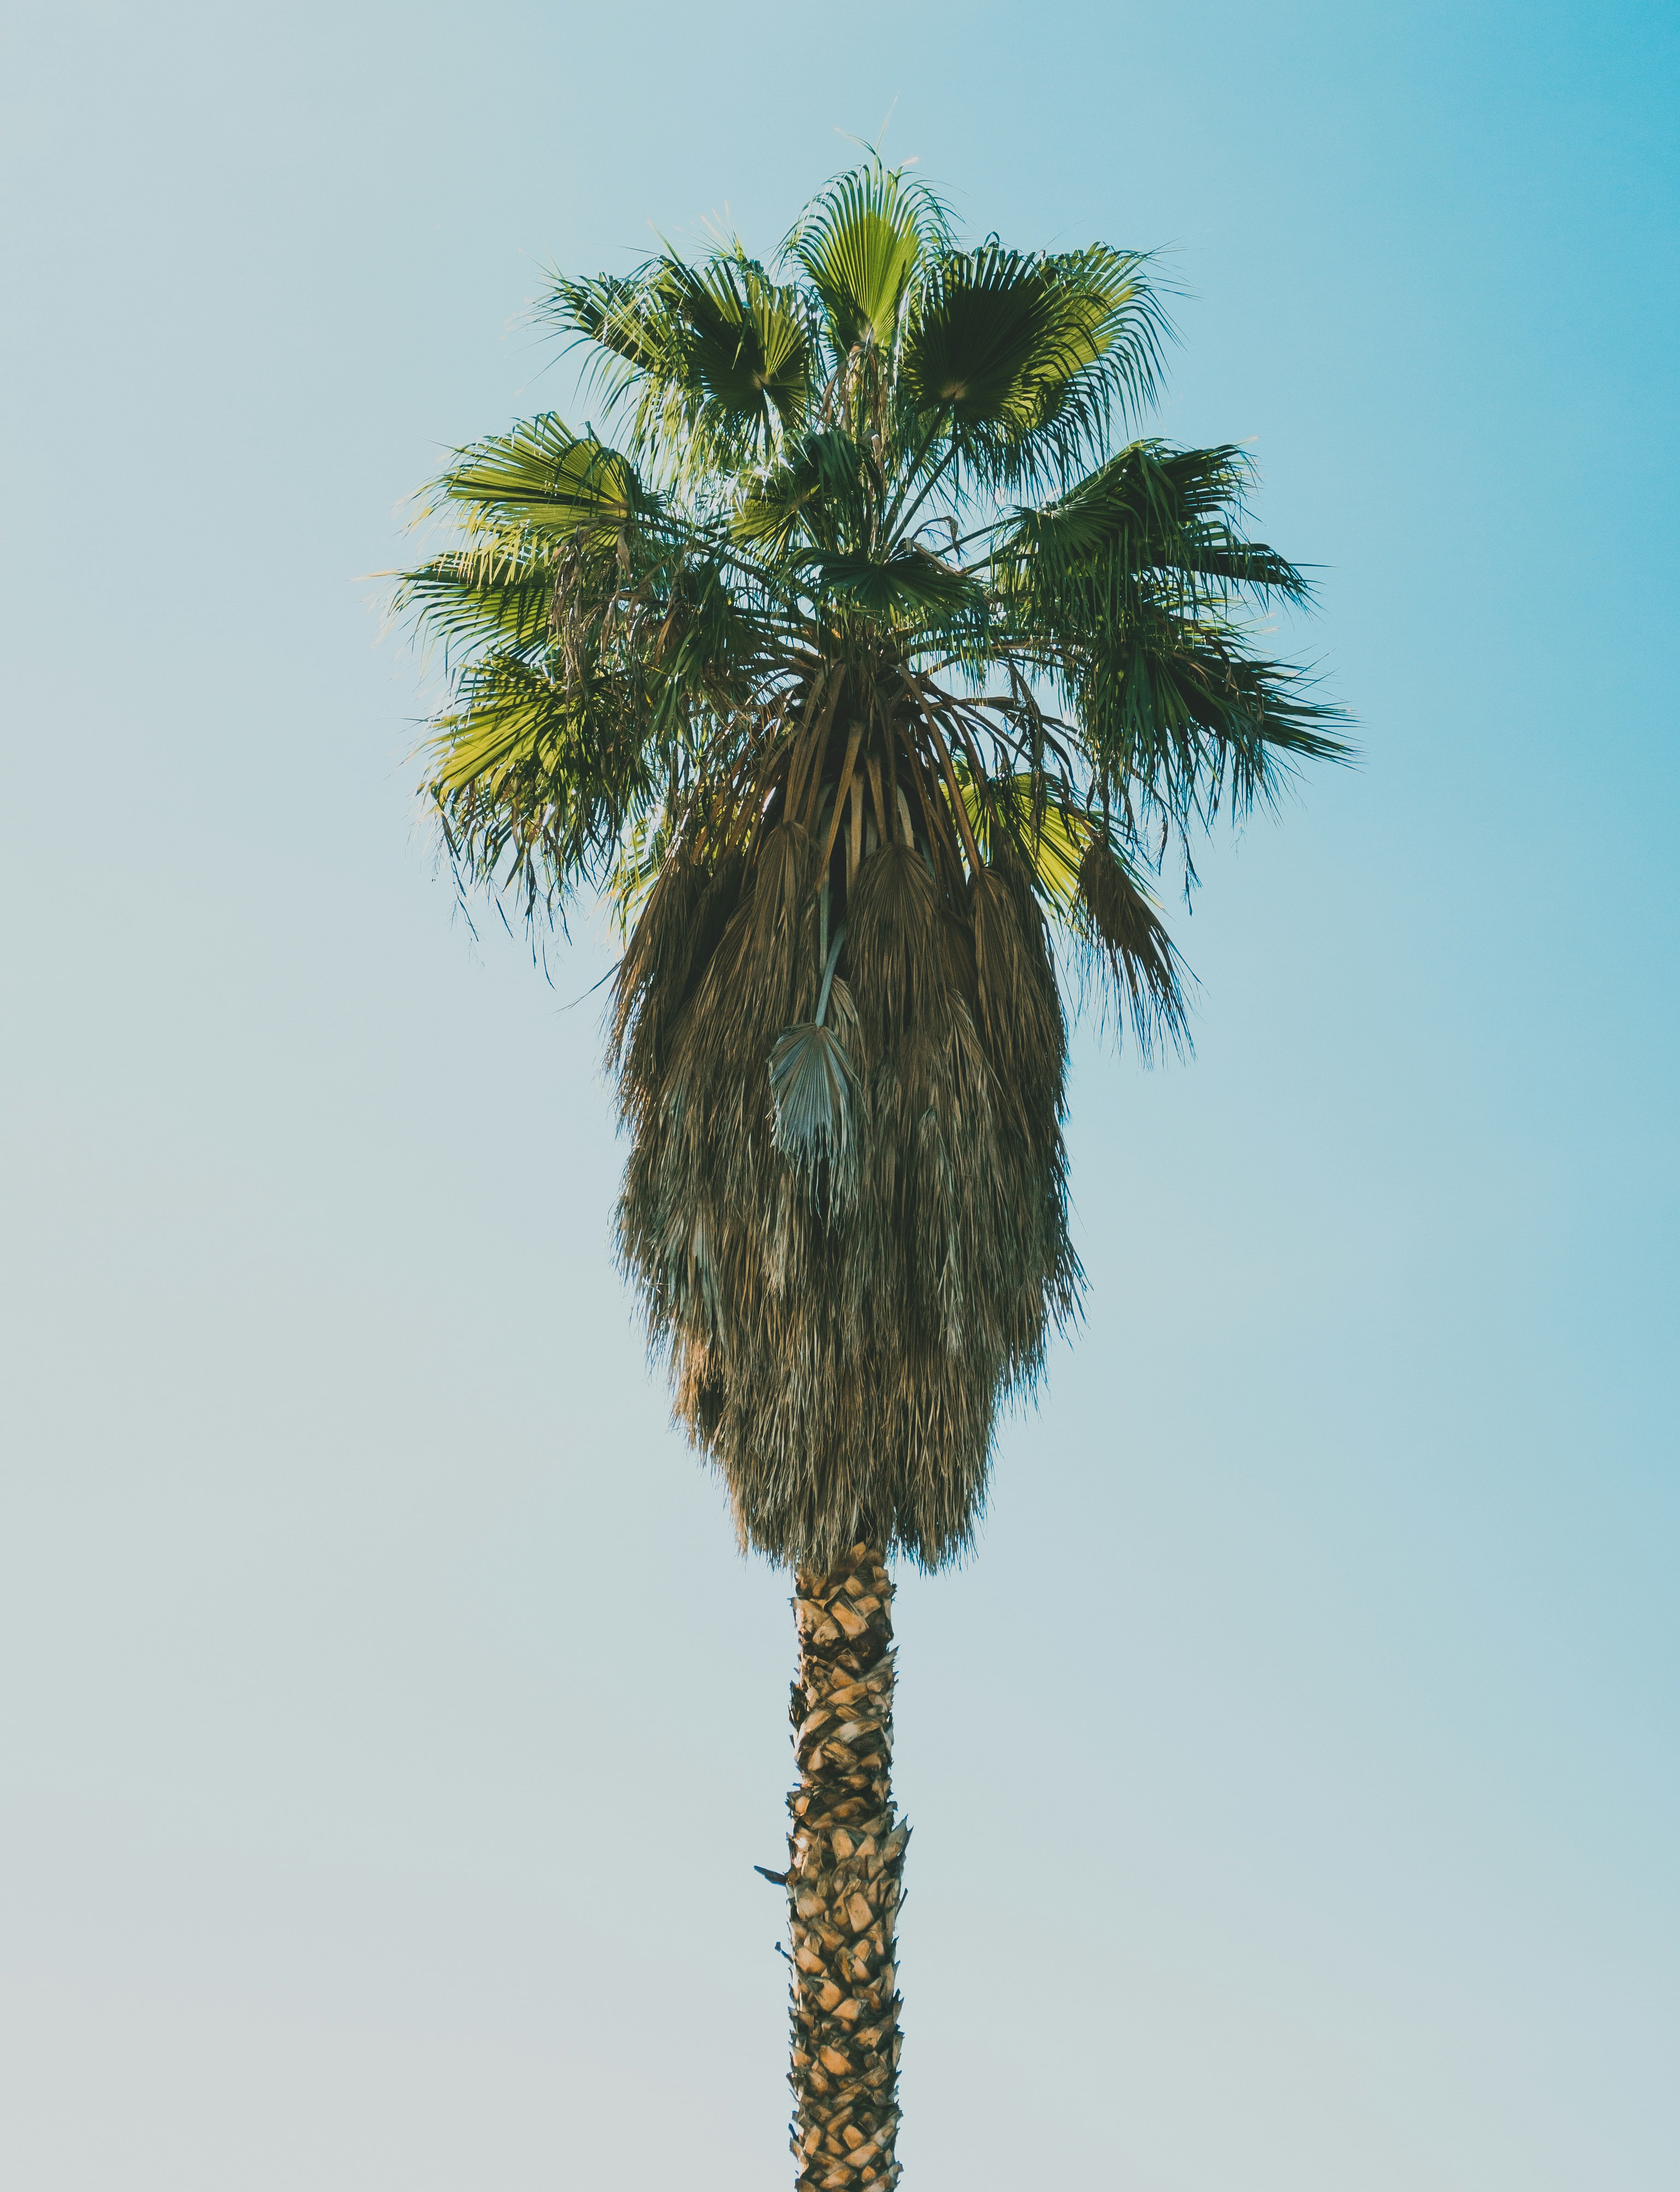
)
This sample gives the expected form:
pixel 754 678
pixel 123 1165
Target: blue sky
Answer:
pixel 389 1725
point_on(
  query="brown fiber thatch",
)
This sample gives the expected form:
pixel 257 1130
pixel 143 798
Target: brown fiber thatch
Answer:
pixel 842 1313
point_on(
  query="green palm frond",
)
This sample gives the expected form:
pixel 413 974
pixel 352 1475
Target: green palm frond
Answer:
pixel 1150 513
pixel 542 475
pixel 1029 356
pixel 819 492
pixel 498 593
pixel 718 358
pixel 861 245
pixel 1183 712
pixel 1068 856
pixel 1119 923
pixel 909 588
pixel 1014 815
pixel 533 789
pixel 989 340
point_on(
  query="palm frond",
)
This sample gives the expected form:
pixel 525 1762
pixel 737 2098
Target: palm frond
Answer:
pixel 1028 355
pixel 1181 711
pixel 1013 820
pixel 540 476
pixel 718 358
pixel 908 588
pixel 1149 515
pixel 818 492
pixel 1132 946
pixel 811 1080
pixel 498 593
pixel 861 245
pixel 533 791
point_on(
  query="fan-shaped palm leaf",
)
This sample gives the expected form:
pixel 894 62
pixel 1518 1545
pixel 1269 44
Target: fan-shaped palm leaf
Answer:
pixel 717 357
pixel 811 1100
pixel 1027 356
pixel 820 491
pixel 861 244
pixel 908 586
pixel 542 475
pixel 1148 511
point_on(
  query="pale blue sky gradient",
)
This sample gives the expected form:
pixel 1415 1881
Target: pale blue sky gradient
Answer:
pixel 388 1723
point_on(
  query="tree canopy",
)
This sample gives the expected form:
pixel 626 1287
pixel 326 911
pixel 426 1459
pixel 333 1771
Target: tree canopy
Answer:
pixel 875 651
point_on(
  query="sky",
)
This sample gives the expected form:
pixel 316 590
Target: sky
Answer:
pixel 388 1724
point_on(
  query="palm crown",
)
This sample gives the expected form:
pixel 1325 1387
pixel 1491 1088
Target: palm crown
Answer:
pixel 870 661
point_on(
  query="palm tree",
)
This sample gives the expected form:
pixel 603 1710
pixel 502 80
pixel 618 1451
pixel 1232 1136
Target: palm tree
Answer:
pixel 873 674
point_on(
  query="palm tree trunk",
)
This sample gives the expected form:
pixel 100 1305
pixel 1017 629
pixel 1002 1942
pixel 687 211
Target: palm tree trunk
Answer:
pixel 845 1857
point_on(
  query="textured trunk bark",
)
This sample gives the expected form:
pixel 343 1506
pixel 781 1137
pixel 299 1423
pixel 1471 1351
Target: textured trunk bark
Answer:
pixel 845 1857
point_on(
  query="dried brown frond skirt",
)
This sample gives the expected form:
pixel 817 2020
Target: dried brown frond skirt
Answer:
pixel 841 1330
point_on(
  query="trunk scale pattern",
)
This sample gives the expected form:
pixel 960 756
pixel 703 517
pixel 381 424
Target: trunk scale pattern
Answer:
pixel 845 1859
